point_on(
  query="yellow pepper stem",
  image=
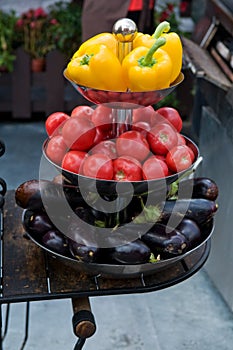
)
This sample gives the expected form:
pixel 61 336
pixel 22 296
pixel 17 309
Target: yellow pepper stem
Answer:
pixel 163 27
pixel 149 60
pixel 85 60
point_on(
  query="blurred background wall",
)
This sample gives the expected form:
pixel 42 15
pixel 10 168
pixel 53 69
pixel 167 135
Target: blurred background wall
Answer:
pixel 21 5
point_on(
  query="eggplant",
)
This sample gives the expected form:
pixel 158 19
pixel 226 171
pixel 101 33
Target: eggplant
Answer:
pixel 166 241
pixel 79 231
pixel 136 252
pixel 29 194
pixel 82 252
pixel 205 188
pixel 55 241
pixel 200 187
pixel 198 209
pixel 36 223
pixel 191 231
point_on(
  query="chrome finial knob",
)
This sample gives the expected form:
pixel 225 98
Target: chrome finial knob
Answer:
pixel 125 31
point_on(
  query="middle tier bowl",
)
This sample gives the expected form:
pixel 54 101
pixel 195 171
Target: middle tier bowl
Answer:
pixel 111 187
pixel 144 98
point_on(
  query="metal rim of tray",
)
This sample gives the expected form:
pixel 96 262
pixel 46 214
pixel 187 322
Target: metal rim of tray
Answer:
pixel 122 271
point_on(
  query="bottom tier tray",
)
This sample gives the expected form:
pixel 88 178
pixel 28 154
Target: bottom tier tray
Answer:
pixel 31 273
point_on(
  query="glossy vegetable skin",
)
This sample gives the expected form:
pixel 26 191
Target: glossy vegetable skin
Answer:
pixel 173 45
pixel 191 231
pixel 83 253
pixel 55 241
pixel 36 222
pixel 198 209
pixel 54 122
pixel 135 252
pixel 164 240
pixel 29 194
pixel 97 67
pixel 202 187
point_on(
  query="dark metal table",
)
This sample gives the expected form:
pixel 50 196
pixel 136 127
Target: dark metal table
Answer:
pixel 28 274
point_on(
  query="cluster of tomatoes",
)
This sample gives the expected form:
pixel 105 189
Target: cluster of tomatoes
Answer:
pixel 84 143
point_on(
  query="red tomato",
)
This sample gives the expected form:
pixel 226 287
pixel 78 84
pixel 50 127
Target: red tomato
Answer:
pixel 172 115
pixel 178 158
pixel 154 168
pixel 127 168
pixel 161 138
pixel 79 133
pixel 98 166
pixel 72 161
pixel 143 114
pixel 100 135
pixel 113 96
pixel 107 147
pixel 192 155
pixel 132 143
pixel 160 157
pixel 192 149
pixel 82 111
pixel 54 123
pixel 181 139
pixel 102 117
pixel 56 149
pixel 142 127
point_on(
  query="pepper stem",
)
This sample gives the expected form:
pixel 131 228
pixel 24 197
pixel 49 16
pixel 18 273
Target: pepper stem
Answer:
pixel 148 60
pixel 163 27
pixel 85 60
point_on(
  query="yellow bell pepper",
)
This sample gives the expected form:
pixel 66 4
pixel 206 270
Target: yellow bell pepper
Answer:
pixel 148 70
pixel 97 68
pixel 173 45
pixel 107 39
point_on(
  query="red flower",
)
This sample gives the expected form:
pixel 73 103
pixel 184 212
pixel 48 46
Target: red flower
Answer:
pixel 53 21
pixel 170 7
pixel 39 12
pixel 20 23
pixel 183 6
pixel 164 16
pixel 33 25
pixel 29 14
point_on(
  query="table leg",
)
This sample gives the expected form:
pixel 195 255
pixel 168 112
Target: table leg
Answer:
pixel 83 320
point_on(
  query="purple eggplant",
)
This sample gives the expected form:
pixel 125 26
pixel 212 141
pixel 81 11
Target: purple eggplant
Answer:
pixel 198 209
pixel 36 223
pixel 200 187
pixel 191 231
pixel 166 241
pixel 136 252
pixel 55 241
pixel 83 253
pixel 30 195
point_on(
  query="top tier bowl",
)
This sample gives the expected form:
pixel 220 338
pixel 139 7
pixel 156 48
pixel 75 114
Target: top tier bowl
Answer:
pixel 144 98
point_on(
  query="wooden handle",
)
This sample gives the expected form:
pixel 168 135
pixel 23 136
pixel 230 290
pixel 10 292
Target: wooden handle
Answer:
pixel 83 320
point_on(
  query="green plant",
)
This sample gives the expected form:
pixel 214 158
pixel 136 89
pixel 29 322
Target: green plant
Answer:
pixel 171 12
pixel 7 37
pixel 170 100
pixel 35 34
pixel 67 30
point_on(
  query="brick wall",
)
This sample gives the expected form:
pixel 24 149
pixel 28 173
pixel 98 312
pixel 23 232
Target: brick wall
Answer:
pixel 22 5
